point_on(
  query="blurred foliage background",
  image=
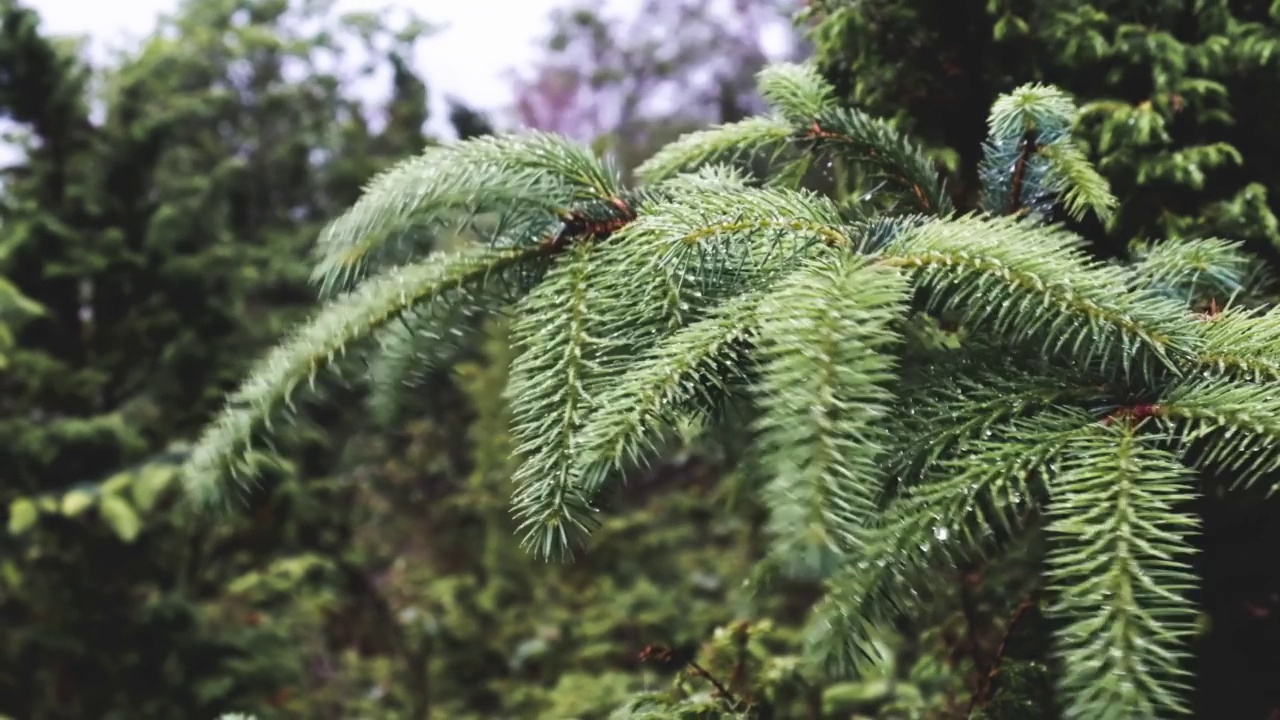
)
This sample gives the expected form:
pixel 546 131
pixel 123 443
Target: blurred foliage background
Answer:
pixel 154 235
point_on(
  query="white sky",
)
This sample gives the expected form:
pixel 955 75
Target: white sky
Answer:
pixel 482 39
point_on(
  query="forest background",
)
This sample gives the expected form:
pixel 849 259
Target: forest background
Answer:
pixel 154 235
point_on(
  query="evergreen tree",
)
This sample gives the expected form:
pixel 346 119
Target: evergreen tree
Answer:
pixel 150 253
pixel 929 388
pixel 1177 98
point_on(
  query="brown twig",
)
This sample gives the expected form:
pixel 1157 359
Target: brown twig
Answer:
pixel 576 224
pixel 817 132
pixel 738 676
pixel 1136 413
pixel 721 690
pixel 970 578
pixel 984 690
pixel 664 654
pixel 1211 312
pixel 1027 148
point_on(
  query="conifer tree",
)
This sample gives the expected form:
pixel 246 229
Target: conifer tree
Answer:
pixel 1177 98
pixel 148 251
pixel 1075 411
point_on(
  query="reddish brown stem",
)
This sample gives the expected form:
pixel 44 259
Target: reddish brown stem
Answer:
pixel 1135 413
pixel 664 654
pixel 723 691
pixel 984 690
pixel 1027 149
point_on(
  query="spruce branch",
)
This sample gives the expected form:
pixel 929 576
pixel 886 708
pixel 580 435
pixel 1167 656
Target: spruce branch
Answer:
pixel 730 143
pixel 1078 185
pixel 874 234
pixel 580 174
pixel 1243 343
pixel 688 371
pixel 1194 270
pixel 549 401
pixel 808 122
pixel 716 178
pixel 888 154
pixel 527 181
pixel 946 409
pixel 987 486
pixel 797 91
pixel 423 341
pixel 1232 427
pixel 947 519
pixel 1032 107
pixel 879 351
pixel 1118 567
pixel 826 338
pixel 693 247
pixel 862 597
pixel 1036 288
pixel 224 450
pixel 719 244
pixel 1031 161
pixel 640 302
pixel 411 203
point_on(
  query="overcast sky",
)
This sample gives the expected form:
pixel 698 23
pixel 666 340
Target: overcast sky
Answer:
pixel 492 36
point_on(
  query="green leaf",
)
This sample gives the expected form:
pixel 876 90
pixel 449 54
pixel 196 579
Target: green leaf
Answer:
pixel 149 484
pixel 14 305
pixel 12 576
pixel 75 502
pixel 116 483
pixel 117 513
pixel 845 697
pixel 23 514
